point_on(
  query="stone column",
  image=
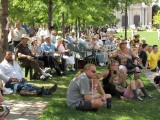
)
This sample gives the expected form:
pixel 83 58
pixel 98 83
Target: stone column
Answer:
pixel 146 16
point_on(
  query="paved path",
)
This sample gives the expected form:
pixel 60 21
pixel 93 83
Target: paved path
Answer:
pixel 25 110
pixel 150 76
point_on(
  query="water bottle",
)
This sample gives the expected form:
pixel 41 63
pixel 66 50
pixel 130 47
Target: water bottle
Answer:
pixel 157 69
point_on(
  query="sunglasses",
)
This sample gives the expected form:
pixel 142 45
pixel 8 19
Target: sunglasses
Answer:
pixel 93 71
pixel 137 72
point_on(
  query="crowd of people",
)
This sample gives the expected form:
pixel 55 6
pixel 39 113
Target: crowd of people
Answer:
pixel 46 51
pixel 131 57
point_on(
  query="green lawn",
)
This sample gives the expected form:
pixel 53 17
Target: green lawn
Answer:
pixel 151 37
pixel 121 110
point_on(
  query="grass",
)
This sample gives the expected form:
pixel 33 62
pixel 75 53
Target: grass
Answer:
pixel 121 110
pixel 151 37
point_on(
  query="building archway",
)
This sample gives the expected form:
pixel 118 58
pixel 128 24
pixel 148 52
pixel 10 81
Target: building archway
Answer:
pixel 136 20
pixel 123 21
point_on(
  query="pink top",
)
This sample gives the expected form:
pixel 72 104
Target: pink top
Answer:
pixel 61 48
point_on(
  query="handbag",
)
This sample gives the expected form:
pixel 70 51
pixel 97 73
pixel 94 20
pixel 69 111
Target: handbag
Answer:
pixel 157 80
pixel 130 65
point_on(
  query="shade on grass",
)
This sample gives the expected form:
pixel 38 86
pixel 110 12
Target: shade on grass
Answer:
pixel 121 110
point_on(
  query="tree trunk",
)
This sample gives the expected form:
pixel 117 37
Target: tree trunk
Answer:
pixel 63 27
pixel 4 34
pixel 50 10
pixel 76 22
pixel 79 27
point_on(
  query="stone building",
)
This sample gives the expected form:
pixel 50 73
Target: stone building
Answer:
pixel 138 15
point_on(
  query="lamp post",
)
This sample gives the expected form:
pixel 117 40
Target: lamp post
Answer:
pixel 126 20
pixel 63 27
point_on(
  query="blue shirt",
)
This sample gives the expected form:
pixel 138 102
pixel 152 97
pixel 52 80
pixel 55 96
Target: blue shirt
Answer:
pixel 48 47
pixel 108 42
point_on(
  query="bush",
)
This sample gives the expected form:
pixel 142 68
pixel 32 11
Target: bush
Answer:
pixel 121 29
pixel 154 29
pixel 143 29
pixel 131 29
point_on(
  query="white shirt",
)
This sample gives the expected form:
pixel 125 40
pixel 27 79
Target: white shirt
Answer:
pixel 100 42
pixel 8 70
pixel 73 38
pixel 17 33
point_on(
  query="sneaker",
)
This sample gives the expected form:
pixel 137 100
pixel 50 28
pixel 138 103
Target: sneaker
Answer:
pixel 43 77
pixel 100 64
pixel 73 69
pixel 67 69
pixel 6 102
pixel 40 92
pixel 104 104
pixel 52 89
pixel 47 74
pixel 62 73
pixel 47 70
pixel 139 98
pixel 103 64
pixel 53 70
pixel 151 97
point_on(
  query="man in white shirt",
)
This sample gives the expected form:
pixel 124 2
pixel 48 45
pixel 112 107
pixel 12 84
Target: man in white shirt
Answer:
pixel 12 76
pixel 16 33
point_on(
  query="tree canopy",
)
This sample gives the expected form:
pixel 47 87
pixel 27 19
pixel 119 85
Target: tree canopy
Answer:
pixel 95 12
pixel 156 18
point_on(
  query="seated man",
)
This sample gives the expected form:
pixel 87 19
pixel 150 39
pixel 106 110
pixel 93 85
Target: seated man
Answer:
pixel 80 95
pixel 49 50
pixel 26 58
pixel 12 76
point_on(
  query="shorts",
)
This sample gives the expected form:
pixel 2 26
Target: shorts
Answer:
pixel 128 95
pixel 85 106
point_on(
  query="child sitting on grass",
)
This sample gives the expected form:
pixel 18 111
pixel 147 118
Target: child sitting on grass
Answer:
pixel 96 86
pixel 125 93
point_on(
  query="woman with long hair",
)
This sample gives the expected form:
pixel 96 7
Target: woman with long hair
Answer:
pixel 123 55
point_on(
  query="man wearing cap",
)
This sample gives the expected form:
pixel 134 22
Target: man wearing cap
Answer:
pixel 49 50
pixel 26 58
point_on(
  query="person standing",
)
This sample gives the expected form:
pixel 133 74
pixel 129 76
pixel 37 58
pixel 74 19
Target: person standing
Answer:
pixel 143 55
pixel 16 33
pixel 153 59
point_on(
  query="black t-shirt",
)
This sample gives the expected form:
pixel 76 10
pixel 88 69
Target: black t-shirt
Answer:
pixel 143 56
pixel 105 81
pixel 109 88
